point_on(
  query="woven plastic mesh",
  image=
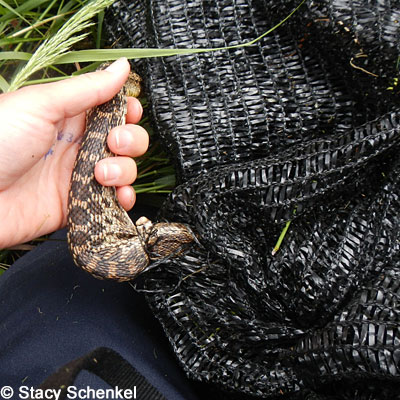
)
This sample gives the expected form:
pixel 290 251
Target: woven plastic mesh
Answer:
pixel 302 126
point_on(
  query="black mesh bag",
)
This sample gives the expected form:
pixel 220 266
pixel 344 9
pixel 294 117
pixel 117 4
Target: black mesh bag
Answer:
pixel 304 127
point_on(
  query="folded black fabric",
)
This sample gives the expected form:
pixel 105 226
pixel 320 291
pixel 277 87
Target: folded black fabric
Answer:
pixel 302 126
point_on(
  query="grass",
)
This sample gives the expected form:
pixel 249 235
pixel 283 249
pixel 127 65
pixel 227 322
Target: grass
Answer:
pixel 25 25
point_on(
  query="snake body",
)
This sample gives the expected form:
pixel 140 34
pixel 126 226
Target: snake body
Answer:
pixel 101 237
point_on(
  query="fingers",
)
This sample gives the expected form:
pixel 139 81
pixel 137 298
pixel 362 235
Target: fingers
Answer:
pixel 126 196
pixel 120 172
pixel 128 140
pixel 135 111
pixel 115 171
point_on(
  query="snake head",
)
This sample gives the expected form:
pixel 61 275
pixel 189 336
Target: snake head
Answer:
pixel 133 85
pixel 164 239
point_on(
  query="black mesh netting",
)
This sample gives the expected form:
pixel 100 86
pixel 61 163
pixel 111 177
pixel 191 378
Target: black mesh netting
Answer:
pixel 302 126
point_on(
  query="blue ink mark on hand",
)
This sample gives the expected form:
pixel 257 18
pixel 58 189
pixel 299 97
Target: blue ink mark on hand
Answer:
pixel 49 153
pixel 68 137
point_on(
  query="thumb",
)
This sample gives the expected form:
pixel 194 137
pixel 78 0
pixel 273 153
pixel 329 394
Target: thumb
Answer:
pixel 75 95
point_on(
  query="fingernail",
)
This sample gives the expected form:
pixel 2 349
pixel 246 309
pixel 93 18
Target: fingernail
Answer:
pixel 111 172
pixel 138 108
pixel 123 139
pixel 116 66
pixel 133 197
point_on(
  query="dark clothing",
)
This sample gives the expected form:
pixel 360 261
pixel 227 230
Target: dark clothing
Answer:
pixel 52 312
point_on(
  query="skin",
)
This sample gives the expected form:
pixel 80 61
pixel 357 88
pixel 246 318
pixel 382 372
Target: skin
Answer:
pixel 40 130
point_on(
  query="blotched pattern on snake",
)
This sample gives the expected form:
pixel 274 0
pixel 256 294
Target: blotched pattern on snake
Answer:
pixel 101 237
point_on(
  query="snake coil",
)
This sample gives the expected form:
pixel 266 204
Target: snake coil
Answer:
pixel 101 237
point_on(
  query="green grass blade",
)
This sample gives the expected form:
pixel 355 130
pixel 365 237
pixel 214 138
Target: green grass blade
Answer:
pixel 16 40
pixel 20 10
pixel 100 19
pixel 113 54
pixel 274 27
pixel 15 55
pixel 3 84
pixel 37 24
pixel 13 12
pixel 45 80
pixel 281 237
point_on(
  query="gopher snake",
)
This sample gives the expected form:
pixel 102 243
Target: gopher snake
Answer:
pixel 101 237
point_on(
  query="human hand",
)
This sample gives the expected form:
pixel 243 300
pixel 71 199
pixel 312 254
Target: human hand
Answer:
pixel 41 127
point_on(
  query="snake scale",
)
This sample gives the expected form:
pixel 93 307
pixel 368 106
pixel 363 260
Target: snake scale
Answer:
pixel 101 237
